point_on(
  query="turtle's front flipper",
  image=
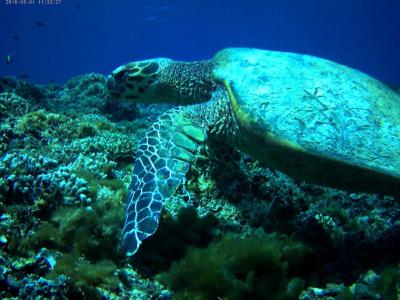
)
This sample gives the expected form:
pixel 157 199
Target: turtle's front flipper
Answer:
pixel 162 160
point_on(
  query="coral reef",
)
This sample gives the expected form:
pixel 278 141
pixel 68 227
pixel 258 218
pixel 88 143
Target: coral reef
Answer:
pixel 12 106
pixel 34 93
pixel 59 202
pixel 369 286
pixel 66 154
pixel 86 93
pixel 26 179
pixel 116 146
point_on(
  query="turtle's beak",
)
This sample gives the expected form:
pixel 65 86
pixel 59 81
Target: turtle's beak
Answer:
pixel 116 82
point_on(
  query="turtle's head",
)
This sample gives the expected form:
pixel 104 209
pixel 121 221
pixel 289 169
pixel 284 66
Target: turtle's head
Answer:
pixel 137 81
pixel 162 80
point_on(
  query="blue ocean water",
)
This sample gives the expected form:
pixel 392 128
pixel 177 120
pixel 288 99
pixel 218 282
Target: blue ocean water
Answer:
pixel 55 40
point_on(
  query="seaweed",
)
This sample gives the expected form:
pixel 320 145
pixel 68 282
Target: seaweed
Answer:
pixel 81 230
pixel 94 183
pixel 388 285
pixel 172 240
pixel 243 268
pixel 83 273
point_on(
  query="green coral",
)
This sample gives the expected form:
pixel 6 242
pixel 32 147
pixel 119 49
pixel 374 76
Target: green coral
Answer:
pixel 237 268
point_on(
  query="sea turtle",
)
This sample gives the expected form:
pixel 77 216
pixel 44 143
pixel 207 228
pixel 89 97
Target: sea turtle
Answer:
pixel 308 117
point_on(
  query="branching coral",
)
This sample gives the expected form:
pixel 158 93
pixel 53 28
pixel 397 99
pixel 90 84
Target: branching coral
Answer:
pixel 12 106
pixel 116 146
pixel 25 178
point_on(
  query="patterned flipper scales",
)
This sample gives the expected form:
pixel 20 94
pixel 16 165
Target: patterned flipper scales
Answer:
pixel 163 157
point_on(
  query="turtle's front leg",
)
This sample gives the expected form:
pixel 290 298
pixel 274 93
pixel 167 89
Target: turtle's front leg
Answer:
pixel 162 159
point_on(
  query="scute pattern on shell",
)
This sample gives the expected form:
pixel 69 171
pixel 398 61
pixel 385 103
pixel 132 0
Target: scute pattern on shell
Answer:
pixel 318 105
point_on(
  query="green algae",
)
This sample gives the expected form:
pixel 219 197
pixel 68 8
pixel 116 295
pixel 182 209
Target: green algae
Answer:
pixel 388 285
pixel 173 239
pixel 40 123
pixel 94 183
pixel 81 230
pixel 243 268
pixel 83 273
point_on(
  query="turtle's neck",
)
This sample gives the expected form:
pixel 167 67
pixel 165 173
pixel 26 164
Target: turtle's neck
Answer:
pixel 188 82
pixel 217 118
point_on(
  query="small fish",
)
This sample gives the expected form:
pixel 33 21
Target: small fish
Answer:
pixel 15 37
pixel 39 24
pixel 23 76
pixel 78 6
pixel 9 58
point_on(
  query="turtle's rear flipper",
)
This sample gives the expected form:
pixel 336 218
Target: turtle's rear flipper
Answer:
pixel 162 160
